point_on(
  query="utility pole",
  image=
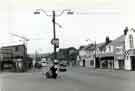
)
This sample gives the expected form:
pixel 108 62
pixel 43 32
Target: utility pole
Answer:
pixel 95 53
pixel 54 41
pixel 54 34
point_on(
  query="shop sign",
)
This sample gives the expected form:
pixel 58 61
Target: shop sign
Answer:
pixel 119 57
pixel 130 52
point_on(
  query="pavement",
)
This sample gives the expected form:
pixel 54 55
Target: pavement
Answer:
pixel 75 79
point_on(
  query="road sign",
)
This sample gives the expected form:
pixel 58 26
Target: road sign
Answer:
pixel 55 41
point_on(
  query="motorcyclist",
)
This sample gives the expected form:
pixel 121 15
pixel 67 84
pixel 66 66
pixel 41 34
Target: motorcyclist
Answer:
pixel 54 71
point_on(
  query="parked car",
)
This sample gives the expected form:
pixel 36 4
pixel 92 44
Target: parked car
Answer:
pixel 44 64
pixel 38 65
pixel 7 66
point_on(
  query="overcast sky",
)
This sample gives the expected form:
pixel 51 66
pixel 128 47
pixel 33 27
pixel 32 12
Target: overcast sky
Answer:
pixel 92 19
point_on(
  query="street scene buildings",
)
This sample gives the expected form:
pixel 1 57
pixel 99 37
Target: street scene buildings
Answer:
pixel 67 45
pixel 112 54
pixel 117 54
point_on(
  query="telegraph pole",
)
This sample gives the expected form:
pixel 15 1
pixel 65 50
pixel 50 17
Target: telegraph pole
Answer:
pixel 54 41
pixel 54 34
pixel 95 52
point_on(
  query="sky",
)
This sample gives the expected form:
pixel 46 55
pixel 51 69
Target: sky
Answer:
pixel 92 19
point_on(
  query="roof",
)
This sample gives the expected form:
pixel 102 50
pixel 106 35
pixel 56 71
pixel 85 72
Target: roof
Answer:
pixel 89 47
pixel 92 46
pixel 118 41
pixel 12 46
pixel 100 45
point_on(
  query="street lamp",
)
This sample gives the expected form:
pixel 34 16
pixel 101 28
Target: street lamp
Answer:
pixel 55 40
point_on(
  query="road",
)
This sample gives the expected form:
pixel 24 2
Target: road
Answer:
pixel 75 79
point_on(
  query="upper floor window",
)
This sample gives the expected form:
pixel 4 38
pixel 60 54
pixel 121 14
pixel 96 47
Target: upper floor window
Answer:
pixel 108 49
pixel 112 48
pixel 16 48
pixel 131 41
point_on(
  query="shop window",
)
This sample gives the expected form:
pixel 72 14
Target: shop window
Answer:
pixel 127 57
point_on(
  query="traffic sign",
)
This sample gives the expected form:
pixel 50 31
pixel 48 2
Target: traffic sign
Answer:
pixel 55 41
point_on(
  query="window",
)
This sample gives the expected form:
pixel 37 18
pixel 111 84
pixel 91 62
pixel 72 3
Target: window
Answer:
pixel 16 48
pixel 92 62
pixel 112 48
pixel 131 41
pixel 109 48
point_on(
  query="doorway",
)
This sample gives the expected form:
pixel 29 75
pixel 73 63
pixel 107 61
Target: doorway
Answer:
pixel 83 63
pixel 121 64
pixel 133 63
pixel 97 62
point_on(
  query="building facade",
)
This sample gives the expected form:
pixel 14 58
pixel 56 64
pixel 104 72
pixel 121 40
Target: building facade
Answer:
pixel 130 50
pixel 112 57
pixel 87 55
pixel 13 52
pixel 116 54
pixel 15 57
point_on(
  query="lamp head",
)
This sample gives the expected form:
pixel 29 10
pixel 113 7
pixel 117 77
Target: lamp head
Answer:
pixel 36 12
pixel 70 12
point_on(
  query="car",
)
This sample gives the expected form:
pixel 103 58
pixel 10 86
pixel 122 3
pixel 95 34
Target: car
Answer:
pixel 44 64
pixel 7 66
pixel 38 65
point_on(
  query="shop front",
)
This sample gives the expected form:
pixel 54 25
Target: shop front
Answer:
pixel 119 62
pixel 130 60
pixel 106 61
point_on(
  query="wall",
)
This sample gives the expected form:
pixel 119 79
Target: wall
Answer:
pixel 127 42
pixel 127 48
pixel 116 64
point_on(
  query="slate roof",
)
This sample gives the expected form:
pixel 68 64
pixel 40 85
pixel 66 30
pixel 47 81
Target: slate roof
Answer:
pixel 92 46
pixel 118 41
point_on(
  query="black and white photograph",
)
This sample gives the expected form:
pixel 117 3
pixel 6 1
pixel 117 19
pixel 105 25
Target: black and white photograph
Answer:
pixel 67 45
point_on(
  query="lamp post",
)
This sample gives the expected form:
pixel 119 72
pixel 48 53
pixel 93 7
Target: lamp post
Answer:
pixel 54 41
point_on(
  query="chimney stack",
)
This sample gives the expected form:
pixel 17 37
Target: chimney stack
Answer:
pixel 125 31
pixel 107 40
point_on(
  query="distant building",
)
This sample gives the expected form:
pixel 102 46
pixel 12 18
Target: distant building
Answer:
pixel 15 57
pixel 68 54
pixel 15 51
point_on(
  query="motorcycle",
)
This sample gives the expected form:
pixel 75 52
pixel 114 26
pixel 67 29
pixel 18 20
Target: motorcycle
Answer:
pixel 50 74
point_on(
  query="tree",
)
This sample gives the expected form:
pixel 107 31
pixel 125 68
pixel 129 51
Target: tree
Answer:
pixel 72 55
pixel 68 54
